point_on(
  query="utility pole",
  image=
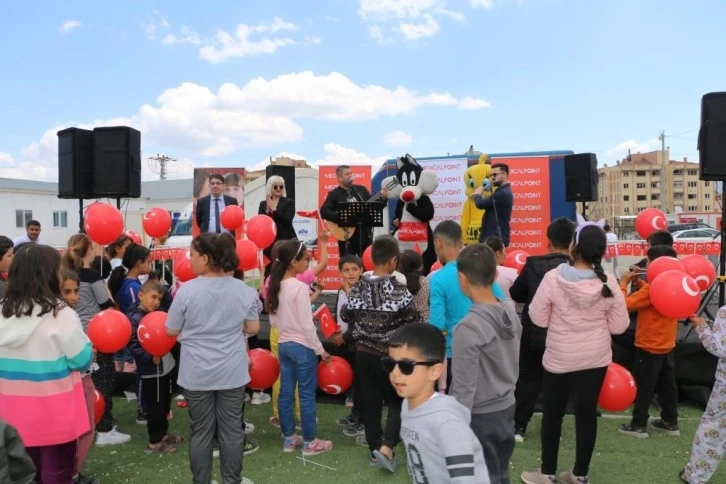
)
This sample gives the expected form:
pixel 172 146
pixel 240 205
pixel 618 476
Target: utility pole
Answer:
pixel 663 174
pixel 158 164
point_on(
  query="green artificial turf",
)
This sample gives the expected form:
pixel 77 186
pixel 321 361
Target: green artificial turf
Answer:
pixel 617 459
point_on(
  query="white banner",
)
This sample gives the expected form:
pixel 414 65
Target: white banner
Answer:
pixel 450 195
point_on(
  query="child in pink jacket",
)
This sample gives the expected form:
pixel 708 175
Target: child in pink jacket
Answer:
pixel 582 307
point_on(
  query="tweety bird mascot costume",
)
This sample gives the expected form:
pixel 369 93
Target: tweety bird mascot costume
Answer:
pixel 471 217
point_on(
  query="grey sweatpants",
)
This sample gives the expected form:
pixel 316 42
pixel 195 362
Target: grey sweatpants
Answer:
pixel 495 432
pixel 220 410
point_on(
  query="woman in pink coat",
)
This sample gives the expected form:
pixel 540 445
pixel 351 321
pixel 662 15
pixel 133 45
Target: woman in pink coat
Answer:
pixel 582 307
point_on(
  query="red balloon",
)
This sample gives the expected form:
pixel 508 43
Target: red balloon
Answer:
pixel 662 264
pixel 152 334
pixel 700 269
pixel 247 252
pixel 436 266
pixel 109 331
pixel 675 294
pixel 99 406
pixel 336 377
pixel 368 259
pixel 261 230
pixel 103 223
pixel 265 369
pixel 135 238
pixel 183 268
pixel 618 389
pixel 232 217
pixel 650 220
pixel 516 259
pixel 156 222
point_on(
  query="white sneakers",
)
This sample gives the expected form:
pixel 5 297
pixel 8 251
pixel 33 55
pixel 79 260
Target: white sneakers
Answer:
pixel 259 398
pixel 112 437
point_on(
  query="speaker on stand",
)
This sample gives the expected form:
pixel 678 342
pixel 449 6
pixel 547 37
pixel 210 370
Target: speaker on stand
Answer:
pixel 581 179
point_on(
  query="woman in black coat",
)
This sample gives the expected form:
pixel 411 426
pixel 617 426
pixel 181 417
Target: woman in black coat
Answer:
pixel 281 209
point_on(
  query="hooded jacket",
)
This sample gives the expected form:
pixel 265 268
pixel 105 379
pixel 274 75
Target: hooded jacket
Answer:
pixel 485 363
pixel 440 445
pixel 376 307
pixel 524 289
pixel 15 463
pixel 579 320
pixel 41 393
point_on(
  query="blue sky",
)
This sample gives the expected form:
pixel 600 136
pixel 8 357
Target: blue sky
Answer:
pixel 231 83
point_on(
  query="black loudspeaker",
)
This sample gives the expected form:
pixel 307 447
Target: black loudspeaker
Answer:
pixel 75 163
pixel 117 162
pixel 287 173
pixel 581 177
pixel 712 137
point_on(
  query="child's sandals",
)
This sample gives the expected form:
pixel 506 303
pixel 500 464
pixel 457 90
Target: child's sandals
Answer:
pixel 172 439
pixel 161 448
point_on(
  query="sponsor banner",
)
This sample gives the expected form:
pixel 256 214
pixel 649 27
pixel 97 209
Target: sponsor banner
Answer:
pixel 530 181
pixel 327 181
pixel 450 194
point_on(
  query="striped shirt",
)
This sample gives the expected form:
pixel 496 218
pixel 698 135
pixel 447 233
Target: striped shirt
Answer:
pixel 93 296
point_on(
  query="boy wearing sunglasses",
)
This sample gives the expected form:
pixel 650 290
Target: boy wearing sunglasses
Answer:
pixel 486 359
pixel 440 445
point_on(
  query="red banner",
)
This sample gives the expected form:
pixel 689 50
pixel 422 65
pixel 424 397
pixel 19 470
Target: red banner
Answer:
pixel 638 248
pixel 530 180
pixel 327 181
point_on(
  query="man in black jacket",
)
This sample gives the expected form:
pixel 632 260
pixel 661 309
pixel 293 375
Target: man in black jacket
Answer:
pixel 209 209
pixel 498 206
pixel 559 236
pixel 346 191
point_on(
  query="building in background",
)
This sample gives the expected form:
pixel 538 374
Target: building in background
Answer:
pixel 635 183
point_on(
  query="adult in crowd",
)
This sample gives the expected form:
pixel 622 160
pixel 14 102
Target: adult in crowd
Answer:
pixel 214 364
pixel 6 258
pixel 347 191
pixel 210 207
pixel 498 206
pixel 612 238
pixel 32 234
pixel 281 209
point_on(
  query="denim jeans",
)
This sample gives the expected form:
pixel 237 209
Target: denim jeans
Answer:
pixel 298 366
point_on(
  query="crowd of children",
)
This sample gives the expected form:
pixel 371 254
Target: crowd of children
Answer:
pixel 444 353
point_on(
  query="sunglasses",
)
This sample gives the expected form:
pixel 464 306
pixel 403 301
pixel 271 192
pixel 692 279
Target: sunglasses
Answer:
pixel 406 366
pixel 278 187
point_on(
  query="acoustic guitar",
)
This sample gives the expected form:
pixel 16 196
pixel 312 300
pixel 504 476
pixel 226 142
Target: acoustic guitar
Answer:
pixel 346 233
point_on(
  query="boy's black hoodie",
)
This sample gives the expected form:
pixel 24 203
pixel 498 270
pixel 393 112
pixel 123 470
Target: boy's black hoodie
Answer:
pixel 144 361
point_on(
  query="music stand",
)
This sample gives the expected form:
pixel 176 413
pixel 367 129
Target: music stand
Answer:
pixel 359 215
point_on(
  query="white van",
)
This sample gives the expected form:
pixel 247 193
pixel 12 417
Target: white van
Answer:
pixel 181 232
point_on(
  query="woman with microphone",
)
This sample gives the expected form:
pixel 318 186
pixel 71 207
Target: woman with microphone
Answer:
pixel 281 209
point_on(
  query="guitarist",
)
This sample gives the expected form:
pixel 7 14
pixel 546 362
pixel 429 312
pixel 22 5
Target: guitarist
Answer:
pixel 347 191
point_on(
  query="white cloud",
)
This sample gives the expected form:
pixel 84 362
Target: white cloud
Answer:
pixel 226 46
pixel 397 139
pixel 67 25
pixel 632 145
pixel 187 36
pixel 152 27
pixel 428 28
pixel 377 34
pixel 335 154
pixel 471 103
pixel 191 119
pixel 412 19
pixel 482 3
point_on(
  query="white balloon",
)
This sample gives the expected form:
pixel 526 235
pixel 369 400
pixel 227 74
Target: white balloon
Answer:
pixel 687 287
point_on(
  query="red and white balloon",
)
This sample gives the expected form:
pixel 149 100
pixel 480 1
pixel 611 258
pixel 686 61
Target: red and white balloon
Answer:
pixel 516 259
pixel 700 269
pixel 103 223
pixel 156 222
pixel 649 221
pixel 675 294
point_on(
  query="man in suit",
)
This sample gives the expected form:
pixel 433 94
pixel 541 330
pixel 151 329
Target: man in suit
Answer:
pixel 210 208
pixel 346 191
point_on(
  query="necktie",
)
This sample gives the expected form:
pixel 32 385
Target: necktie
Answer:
pixel 217 227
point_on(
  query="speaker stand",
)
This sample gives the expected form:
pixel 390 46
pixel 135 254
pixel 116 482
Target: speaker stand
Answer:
pixel 584 208
pixel 81 229
pixel 118 203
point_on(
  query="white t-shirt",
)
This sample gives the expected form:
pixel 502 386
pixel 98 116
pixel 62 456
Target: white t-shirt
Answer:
pixel 505 278
pixel 399 276
pixel 611 237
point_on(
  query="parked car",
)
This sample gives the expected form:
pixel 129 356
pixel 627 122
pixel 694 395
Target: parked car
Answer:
pixel 672 228
pixel 697 235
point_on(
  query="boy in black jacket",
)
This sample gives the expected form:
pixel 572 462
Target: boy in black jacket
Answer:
pixel 376 307
pixel 532 345
pixel 155 373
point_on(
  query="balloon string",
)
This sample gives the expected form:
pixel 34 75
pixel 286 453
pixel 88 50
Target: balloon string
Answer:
pixel 158 396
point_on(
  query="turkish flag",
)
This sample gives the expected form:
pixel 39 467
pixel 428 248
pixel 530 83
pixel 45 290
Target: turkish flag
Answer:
pixel 611 252
pixel 680 247
pixel 625 248
pixel 637 249
pixel 327 324
pixel 701 248
pixel 690 248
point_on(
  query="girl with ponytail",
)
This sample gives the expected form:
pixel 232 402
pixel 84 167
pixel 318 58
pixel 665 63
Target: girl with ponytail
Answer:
pixel 210 315
pixel 288 303
pixel 582 307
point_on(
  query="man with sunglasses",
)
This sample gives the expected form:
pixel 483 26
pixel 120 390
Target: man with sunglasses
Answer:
pixel 209 208
pixel 498 206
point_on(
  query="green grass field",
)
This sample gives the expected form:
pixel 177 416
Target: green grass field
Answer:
pixel 618 458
